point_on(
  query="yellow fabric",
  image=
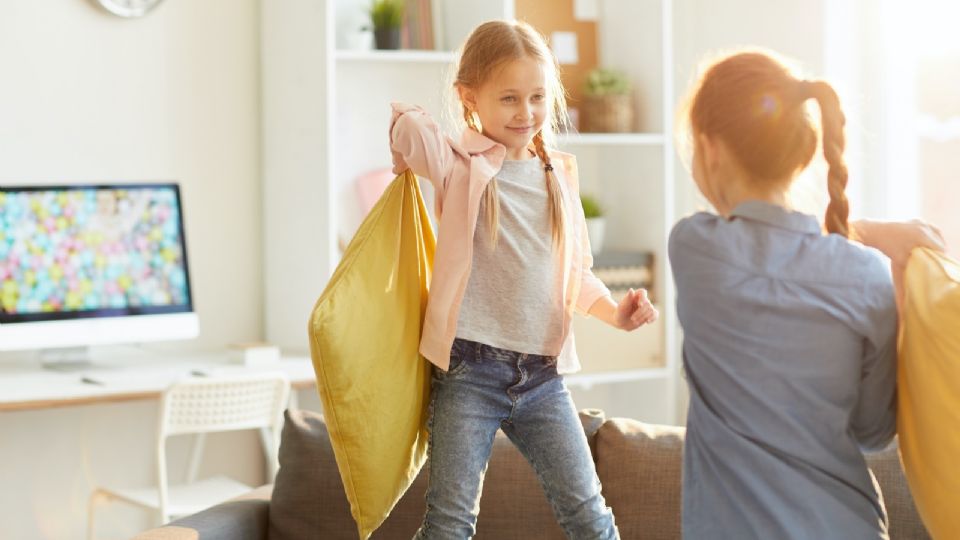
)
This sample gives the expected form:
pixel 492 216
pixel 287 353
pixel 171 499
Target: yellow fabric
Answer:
pixel 364 340
pixel 928 419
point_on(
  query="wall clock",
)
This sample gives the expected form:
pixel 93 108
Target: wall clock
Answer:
pixel 128 8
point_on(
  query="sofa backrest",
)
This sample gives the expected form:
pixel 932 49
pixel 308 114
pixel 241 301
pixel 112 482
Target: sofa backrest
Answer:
pixel 309 501
pixel 639 466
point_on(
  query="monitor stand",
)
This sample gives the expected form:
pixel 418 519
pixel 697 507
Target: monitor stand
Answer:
pixel 68 359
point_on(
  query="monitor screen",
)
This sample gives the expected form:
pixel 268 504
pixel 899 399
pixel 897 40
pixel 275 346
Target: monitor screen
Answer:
pixel 91 252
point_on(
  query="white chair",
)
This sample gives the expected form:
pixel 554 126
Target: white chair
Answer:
pixel 201 405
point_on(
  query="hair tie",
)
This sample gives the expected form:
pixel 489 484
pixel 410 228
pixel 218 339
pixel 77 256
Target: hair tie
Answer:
pixel 548 167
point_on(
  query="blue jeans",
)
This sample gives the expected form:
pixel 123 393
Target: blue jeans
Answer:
pixel 486 389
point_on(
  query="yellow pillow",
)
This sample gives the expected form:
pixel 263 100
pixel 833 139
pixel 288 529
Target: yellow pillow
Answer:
pixel 928 419
pixel 364 340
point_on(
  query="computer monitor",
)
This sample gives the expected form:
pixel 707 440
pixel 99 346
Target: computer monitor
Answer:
pixel 86 265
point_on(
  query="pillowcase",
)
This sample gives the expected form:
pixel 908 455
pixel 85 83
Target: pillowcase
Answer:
pixel 364 341
pixel 928 375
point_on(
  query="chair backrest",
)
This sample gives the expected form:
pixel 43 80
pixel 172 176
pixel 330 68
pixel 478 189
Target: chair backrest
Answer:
pixel 224 403
pixel 201 405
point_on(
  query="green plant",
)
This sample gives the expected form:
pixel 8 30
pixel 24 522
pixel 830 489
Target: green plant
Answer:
pixel 591 206
pixel 386 14
pixel 606 82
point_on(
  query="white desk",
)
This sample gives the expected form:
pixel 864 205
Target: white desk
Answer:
pixel 26 386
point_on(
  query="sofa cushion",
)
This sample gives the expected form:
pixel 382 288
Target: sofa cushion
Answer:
pixel 513 503
pixel 905 523
pixel 309 500
pixel 639 467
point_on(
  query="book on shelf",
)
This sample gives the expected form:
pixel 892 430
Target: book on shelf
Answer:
pixel 622 270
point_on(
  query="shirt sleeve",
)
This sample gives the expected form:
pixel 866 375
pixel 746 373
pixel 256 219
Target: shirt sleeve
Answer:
pixel 591 288
pixel 874 419
pixel 417 143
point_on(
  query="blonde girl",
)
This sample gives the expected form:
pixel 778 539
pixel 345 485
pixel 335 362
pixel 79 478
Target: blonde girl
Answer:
pixel 511 267
pixel 789 331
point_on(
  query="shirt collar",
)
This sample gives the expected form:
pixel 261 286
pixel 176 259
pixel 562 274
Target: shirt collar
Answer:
pixel 777 216
pixel 478 143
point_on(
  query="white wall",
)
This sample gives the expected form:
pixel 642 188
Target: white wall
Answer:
pixel 87 96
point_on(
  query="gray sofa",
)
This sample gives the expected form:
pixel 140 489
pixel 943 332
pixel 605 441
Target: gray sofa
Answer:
pixel 638 465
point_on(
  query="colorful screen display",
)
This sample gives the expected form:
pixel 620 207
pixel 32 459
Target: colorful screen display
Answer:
pixel 90 251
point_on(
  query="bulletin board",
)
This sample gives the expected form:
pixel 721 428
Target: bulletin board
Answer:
pixel 549 16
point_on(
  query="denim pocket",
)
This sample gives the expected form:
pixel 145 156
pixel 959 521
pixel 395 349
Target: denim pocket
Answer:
pixel 458 363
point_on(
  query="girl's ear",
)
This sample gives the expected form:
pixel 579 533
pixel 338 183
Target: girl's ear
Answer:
pixel 704 168
pixel 468 97
pixel 709 153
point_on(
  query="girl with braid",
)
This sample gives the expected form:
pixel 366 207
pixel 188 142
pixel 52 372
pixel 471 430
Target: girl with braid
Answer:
pixel 512 265
pixel 789 327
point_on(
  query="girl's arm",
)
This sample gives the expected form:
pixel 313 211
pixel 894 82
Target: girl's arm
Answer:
pixel 896 240
pixel 417 143
pixel 633 311
pixel 874 420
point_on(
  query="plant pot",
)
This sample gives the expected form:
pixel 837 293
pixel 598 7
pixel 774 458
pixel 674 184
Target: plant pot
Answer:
pixel 387 38
pixel 607 114
pixel 595 231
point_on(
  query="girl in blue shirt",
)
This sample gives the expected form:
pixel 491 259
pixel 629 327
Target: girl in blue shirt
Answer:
pixel 789 332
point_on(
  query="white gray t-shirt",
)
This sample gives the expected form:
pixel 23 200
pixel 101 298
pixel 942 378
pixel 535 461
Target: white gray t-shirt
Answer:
pixel 513 299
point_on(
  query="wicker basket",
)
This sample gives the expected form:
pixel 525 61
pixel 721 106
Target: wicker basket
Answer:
pixel 607 114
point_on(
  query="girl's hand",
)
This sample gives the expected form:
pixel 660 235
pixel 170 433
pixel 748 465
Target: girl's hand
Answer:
pixel 635 310
pixel 896 239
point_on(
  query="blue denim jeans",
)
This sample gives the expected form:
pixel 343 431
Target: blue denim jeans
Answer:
pixel 486 389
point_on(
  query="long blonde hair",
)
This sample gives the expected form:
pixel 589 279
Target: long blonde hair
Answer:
pixel 489 46
pixel 754 103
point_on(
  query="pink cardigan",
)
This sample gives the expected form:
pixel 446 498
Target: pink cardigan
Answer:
pixel 459 173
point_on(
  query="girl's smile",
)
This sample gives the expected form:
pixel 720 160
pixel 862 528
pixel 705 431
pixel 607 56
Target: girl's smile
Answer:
pixel 512 105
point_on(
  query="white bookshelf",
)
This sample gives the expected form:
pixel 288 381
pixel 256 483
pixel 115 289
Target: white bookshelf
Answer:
pixel 438 57
pixel 611 139
pixel 326 113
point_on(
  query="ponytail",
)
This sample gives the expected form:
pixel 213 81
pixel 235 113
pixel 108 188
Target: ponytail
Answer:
pixel 832 122
pixel 554 196
pixel 491 197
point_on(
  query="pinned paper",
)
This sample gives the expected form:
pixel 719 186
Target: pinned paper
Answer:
pixel 564 45
pixel 585 10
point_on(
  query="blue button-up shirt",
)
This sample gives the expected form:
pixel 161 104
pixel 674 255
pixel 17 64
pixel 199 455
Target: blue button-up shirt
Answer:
pixel 790 357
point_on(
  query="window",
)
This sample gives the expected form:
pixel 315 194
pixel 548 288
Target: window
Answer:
pixel 897 67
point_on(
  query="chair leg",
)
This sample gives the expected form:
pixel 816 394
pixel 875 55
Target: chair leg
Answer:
pixel 91 510
pixel 196 455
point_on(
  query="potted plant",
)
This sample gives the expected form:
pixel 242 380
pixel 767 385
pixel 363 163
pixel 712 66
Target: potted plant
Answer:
pixel 387 18
pixel 596 223
pixel 608 107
